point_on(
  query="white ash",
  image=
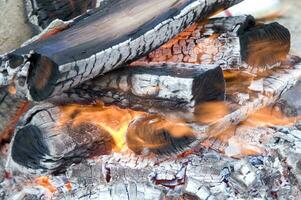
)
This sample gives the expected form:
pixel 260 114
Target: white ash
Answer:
pixel 206 174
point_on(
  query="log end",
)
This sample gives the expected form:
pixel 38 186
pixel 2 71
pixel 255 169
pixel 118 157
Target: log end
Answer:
pixel 43 74
pixel 41 151
pixel 210 86
pixel 265 44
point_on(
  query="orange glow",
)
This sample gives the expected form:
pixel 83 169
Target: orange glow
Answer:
pixel 210 112
pixel 45 182
pixel 110 118
pixel 269 117
pixel 68 186
pixel 12 90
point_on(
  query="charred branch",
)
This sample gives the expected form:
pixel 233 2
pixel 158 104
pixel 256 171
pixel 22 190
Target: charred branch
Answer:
pixel 98 43
pixel 41 13
pixel 155 87
pixel 231 41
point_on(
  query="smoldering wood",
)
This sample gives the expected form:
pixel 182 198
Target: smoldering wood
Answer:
pixel 41 13
pixel 154 87
pixel 235 42
pixel 42 144
pixel 89 52
pixel 11 109
pixel 244 101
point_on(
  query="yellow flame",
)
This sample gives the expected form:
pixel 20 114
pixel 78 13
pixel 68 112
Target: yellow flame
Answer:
pixel 110 118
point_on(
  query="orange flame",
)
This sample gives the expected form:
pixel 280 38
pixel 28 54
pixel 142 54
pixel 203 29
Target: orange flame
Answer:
pixel 210 112
pixel 110 118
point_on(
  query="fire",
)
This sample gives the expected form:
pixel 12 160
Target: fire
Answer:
pixel 210 112
pixel 110 118
pixel 158 133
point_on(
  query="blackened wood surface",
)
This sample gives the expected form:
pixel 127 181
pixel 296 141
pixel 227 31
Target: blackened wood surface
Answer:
pixel 154 87
pixel 44 144
pixel 100 42
pixel 42 12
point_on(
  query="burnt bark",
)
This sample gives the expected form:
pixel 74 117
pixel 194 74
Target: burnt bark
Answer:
pixel 149 88
pixel 231 41
pixel 99 42
pixel 41 13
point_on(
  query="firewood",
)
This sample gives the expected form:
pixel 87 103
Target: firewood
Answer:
pixel 154 87
pixel 44 144
pixel 41 13
pixel 45 119
pixel 98 43
pixel 235 42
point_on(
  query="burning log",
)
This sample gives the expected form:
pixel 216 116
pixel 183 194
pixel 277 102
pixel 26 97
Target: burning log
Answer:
pixel 231 41
pixel 155 87
pixel 48 67
pixel 49 138
pixel 54 126
pixel 41 13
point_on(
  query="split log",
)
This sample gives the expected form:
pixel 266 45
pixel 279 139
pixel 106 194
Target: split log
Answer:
pixel 154 87
pixel 41 13
pixel 235 42
pixel 98 43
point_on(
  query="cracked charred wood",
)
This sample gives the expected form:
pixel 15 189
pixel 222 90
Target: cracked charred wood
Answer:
pixel 11 109
pixel 154 87
pixel 41 13
pixel 231 41
pixel 98 43
pixel 44 142
pixel 262 92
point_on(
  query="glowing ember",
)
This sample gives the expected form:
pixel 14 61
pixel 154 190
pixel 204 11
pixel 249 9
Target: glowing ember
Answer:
pixel 45 182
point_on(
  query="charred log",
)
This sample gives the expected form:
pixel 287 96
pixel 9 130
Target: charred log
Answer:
pixel 155 87
pixel 231 41
pixel 41 13
pixel 42 144
pixel 45 118
pixel 100 42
